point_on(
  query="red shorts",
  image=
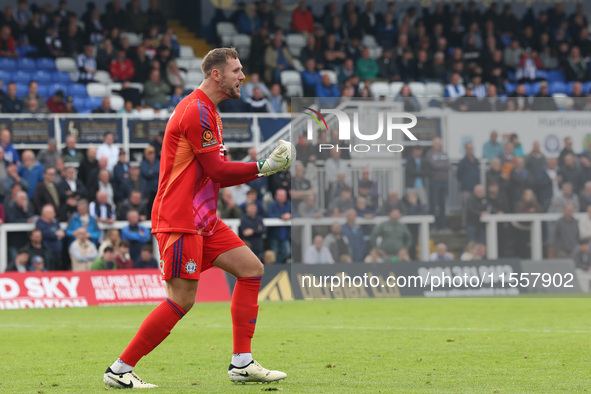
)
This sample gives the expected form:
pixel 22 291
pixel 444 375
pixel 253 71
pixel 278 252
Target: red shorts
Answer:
pixel 185 255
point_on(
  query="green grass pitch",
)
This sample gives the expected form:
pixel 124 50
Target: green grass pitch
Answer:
pixel 395 345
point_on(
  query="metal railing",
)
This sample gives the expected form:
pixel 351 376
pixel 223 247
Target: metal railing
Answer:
pixel 307 224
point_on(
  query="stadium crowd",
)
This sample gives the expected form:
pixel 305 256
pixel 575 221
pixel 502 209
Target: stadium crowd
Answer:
pixel 479 54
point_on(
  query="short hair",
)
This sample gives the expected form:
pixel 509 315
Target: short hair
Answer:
pixel 147 248
pixel 124 244
pixel 108 249
pixel 217 58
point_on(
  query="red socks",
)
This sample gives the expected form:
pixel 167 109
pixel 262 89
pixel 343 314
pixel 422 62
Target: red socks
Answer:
pixel 153 331
pixel 244 311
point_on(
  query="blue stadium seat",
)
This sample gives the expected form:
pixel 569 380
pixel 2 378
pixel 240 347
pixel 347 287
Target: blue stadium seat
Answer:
pixel 542 74
pixel 45 63
pixel 93 102
pixel 54 87
pixel 511 76
pixel 586 88
pixel 569 88
pixel 532 88
pixel 510 87
pixel 41 76
pixel 43 91
pixel 7 64
pixel 21 76
pixel 79 103
pixel 84 111
pixel 25 50
pixel 21 89
pixel 77 90
pixel 556 76
pixel 61 77
pixel 25 64
pixel 557 87
pixel 4 76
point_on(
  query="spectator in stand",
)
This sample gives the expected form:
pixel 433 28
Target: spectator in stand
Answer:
pixel 10 152
pixel 137 20
pixel 101 209
pixel 416 173
pixel 521 233
pixel 36 247
pixel 249 22
pixel 477 205
pixel 52 236
pixel 568 149
pixel 374 256
pixel 105 107
pixel 149 170
pixel 363 209
pixel 455 89
pixel 507 160
pixel 441 253
pixel 88 164
pixel 134 202
pixel 318 253
pixel 105 55
pixel 82 219
pixel 48 157
pixel 566 233
pixel 108 148
pixel 411 104
pixel 366 67
pixel 468 174
pixel 529 64
pixel 254 82
pixel 581 256
pixel 56 103
pixel 576 67
pixel 387 68
pixel 411 205
pixel 112 239
pixel 257 103
pixel 308 209
pixel 277 59
pixel 585 224
pixel 13 178
pixel 46 192
pixel 31 171
pixel 73 39
pixel 302 20
pixel 325 89
pixel 227 205
pixel 7 43
pixel 121 68
pixel 35 31
pixel 11 104
pixel 310 78
pixel 277 103
pixel 141 65
pixel 394 235
pixel 569 172
pixel 123 258
pixel 358 240
pixel 82 250
pixel 136 234
pixel 438 164
pixel 34 94
pixel 341 204
pixel 105 261
pixel 20 262
pixel 279 237
pixel 252 229
pixel 86 64
pixel 519 180
pixel 133 182
pixel 155 91
pixel 338 244
pixel 567 196
pixel 146 259
pixel 3 174
pixel 94 181
pixel 535 161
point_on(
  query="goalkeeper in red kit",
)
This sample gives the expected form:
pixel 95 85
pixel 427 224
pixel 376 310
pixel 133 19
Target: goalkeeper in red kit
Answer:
pixel 191 238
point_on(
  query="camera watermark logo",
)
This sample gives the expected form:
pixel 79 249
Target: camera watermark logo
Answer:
pixel 346 127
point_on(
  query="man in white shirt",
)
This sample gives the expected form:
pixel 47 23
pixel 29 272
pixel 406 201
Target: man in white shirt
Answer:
pixel 317 253
pixel 109 150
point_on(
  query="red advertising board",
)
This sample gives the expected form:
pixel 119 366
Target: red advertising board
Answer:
pixel 59 289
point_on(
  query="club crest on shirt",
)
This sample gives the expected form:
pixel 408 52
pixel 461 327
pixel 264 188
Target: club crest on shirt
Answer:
pixel 191 266
pixel 208 139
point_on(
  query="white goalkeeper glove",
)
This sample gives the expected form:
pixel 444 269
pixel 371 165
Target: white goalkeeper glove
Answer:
pixel 280 159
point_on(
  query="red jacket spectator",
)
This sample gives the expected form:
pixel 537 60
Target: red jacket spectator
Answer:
pixel 121 68
pixel 56 103
pixel 7 47
pixel 302 19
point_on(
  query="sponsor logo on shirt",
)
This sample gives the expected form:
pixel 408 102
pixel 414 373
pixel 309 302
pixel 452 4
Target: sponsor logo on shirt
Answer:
pixel 208 139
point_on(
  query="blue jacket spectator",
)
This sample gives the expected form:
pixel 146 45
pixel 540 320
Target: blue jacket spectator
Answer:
pixel 280 237
pixel 136 234
pixel 31 171
pixel 328 92
pixel 83 219
pixel 10 153
pixel 310 78
pixel 249 22
pixel 252 229
pixel 358 239
pixel 145 259
pixel 492 148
